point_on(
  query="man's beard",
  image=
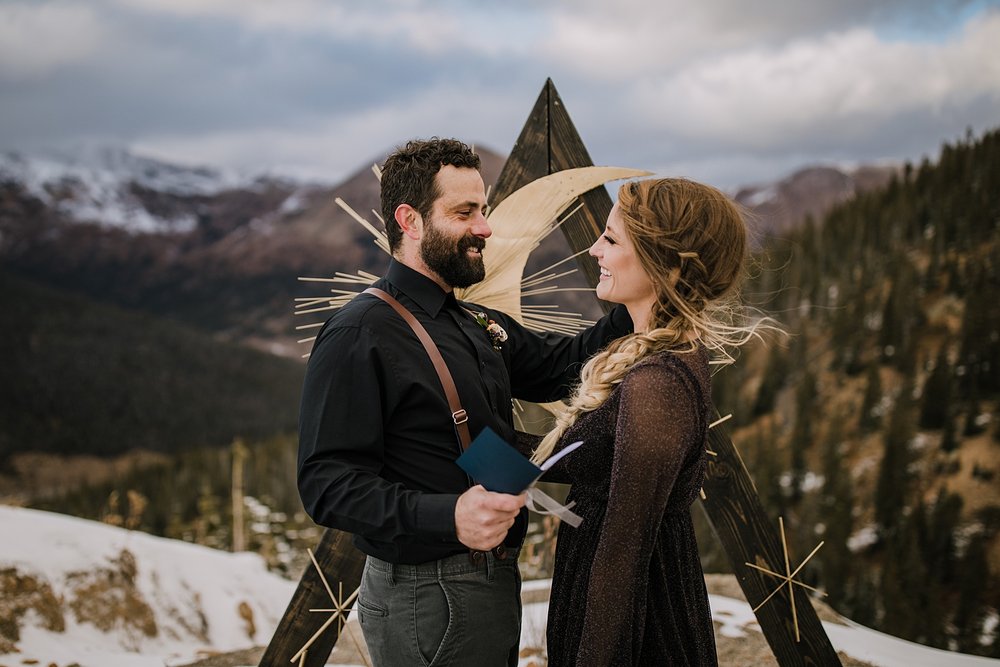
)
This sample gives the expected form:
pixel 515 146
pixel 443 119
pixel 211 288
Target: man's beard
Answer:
pixel 449 257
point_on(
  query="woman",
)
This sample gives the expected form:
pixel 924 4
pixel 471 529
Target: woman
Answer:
pixel 628 587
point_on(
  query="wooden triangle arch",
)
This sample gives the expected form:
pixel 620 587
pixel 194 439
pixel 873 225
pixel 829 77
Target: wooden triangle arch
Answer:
pixel 549 143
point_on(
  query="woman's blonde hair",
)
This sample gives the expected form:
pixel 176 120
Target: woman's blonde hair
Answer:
pixel 691 240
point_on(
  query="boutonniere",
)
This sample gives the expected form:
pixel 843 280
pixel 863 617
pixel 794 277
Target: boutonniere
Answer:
pixel 496 333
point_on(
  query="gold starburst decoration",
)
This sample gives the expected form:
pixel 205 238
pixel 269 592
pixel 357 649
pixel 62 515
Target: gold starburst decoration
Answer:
pixel 338 614
pixel 520 222
pixel 788 578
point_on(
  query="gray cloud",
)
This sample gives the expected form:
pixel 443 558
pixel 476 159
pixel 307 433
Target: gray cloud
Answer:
pixel 725 91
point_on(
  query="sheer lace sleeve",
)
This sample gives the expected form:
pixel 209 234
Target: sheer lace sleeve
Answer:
pixel 658 427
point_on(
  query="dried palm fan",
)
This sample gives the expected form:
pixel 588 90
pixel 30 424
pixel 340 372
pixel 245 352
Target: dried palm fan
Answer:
pixel 520 222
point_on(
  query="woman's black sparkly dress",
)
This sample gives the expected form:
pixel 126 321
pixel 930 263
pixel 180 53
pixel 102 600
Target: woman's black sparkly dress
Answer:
pixel 628 588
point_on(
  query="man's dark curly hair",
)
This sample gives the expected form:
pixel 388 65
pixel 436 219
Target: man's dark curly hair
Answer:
pixel 408 178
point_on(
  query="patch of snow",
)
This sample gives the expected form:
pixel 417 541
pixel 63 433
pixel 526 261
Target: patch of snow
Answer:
pixel 864 465
pixel 194 593
pixel 811 482
pixel 964 535
pixel 990 626
pixel 762 196
pixel 873 321
pixel 862 539
pixel 884 650
pixel 294 203
pixel 734 616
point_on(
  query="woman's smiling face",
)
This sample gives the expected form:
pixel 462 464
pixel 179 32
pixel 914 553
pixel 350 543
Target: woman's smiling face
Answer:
pixel 623 280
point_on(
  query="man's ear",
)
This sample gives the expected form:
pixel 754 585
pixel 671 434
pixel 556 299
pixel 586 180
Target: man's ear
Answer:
pixel 409 221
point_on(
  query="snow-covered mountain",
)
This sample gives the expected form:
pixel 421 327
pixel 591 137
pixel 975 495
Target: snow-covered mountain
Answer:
pixel 105 185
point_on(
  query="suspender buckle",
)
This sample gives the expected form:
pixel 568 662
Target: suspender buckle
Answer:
pixel 460 417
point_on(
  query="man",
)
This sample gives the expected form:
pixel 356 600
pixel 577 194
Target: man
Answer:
pixel 377 444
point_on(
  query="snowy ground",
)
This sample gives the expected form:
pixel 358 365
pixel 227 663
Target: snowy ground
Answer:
pixel 95 595
pixel 124 598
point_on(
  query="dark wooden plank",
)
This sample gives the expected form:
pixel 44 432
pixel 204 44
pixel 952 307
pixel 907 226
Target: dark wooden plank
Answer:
pixel 342 564
pixel 549 143
pixel 567 151
pixel 529 159
pixel 750 536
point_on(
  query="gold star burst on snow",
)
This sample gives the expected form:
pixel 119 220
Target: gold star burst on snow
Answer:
pixel 339 613
pixel 788 578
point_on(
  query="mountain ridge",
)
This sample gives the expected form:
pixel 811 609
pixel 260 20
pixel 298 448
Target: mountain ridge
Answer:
pixel 225 254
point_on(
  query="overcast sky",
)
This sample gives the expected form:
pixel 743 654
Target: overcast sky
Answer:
pixel 726 91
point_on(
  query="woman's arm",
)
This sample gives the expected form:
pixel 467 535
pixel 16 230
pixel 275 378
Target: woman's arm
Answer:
pixel 658 425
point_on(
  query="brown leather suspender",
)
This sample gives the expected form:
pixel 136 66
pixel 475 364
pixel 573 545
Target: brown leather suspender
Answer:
pixel 458 413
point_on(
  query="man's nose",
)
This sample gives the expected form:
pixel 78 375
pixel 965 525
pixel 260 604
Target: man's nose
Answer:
pixel 481 227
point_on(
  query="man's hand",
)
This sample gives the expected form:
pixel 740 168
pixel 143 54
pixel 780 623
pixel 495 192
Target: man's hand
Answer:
pixel 482 518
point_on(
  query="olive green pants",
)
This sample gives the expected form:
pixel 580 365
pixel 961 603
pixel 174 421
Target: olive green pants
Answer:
pixel 455 612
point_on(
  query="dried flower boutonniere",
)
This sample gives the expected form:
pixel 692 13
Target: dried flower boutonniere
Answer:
pixel 496 333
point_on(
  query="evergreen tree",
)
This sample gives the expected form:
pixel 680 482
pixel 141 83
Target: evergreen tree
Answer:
pixel 899 314
pixel 767 470
pixel 936 408
pixel 837 507
pixel 862 600
pixel 972 426
pixel 980 347
pixel 938 539
pixel 868 421
pixel 972 609
pixel 893 483
pixel 949 436
pixel 802 431
pixel 933 276
pixel 772 382
pixel 905 590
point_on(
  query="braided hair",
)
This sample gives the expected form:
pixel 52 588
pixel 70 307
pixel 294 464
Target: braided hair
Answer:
pixel 691 240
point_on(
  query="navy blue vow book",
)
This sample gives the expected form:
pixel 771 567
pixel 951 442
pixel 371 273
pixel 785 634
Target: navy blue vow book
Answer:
pixel 496 465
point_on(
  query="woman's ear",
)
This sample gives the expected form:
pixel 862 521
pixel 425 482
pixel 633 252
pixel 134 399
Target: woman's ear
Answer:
pixel 409 221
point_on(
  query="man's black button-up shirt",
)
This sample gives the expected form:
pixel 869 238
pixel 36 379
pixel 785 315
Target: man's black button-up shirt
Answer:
pixel 377 445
